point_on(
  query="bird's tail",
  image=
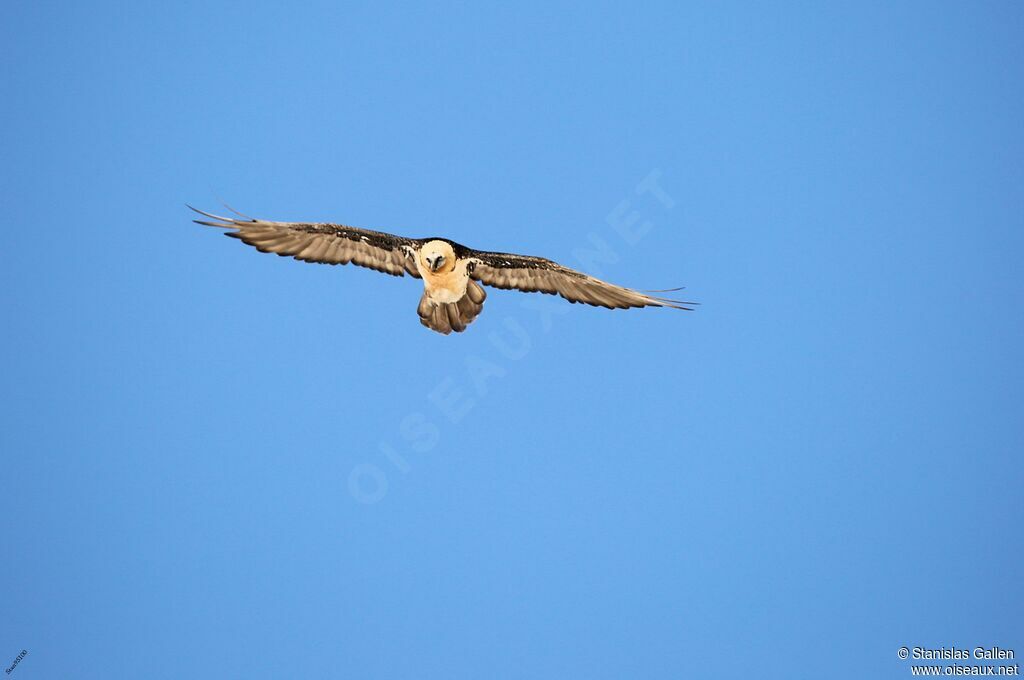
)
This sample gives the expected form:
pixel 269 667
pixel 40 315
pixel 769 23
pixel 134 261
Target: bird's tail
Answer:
pixel 445 317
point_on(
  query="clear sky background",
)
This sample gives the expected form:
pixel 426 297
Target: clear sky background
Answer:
pixel 217 463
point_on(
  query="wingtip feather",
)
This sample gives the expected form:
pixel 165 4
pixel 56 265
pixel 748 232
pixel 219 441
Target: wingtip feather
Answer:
pixel 226 220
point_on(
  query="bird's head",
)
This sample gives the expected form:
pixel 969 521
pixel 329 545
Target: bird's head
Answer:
pixel 438 257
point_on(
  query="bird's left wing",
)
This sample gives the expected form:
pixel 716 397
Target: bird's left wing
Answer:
pixel 536 274
pixel 322 242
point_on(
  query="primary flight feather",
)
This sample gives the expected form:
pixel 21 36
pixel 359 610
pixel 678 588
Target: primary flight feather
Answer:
pixel 451 273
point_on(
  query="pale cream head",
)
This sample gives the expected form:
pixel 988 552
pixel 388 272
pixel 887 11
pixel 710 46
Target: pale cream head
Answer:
pixel 437 257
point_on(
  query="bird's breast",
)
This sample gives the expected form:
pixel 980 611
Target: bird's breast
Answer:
pixel 446 287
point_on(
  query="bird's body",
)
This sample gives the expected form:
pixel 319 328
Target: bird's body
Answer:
pixel 451 301
pixel 448 282
pixel 452 274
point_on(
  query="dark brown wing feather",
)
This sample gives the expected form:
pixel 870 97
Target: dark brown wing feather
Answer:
pixel 536 274
pixel 320 242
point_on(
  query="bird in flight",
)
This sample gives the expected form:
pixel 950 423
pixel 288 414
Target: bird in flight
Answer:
pixel 452 274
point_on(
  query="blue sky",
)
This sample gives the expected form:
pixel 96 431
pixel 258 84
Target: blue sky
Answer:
pixel 218 463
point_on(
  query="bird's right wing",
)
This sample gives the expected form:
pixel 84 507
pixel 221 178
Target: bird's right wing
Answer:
pixel 322 242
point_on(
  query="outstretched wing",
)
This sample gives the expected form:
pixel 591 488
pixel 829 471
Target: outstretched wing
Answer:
pixel 320 242
pixel 536 274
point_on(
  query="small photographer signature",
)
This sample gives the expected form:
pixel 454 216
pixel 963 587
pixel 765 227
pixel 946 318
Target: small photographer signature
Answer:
pixel 21 656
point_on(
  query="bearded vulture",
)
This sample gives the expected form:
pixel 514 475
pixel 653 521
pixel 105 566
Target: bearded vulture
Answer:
pixel 451 273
